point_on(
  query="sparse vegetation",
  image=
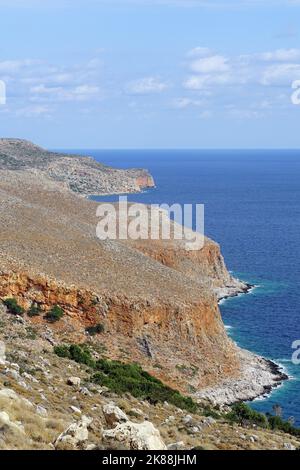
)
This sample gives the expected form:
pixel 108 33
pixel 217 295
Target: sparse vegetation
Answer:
pixel 278 423
pixel 121 378
pixel 244 414
pixel 79 354
pixel 35 310
pixel 13 306
pixel 55 314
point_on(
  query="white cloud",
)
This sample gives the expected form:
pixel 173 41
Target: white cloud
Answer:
pixel 13 66
pixel 281 74
pixel 282 55
pixel 214 63
pixel 278 55
pixel 145 86
pixel 34 111
pixel 202 82
pixel 199 52
pixel 78 93
pixel 183 103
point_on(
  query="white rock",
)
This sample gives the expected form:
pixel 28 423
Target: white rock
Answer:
pixel 75 409
pixel 74 381
pixel 137 436
pixel 75 434
pixel 13 374
pixel 2 354
pixel 169 420
pixel 113 414
pixel 10 394
pixel 187 419
pixel 41 410
pixel 30 377
pixel 85 391
pixel 91 447
pixel 289 446
pixel 5 420
pixel 176 446
pixel 137 412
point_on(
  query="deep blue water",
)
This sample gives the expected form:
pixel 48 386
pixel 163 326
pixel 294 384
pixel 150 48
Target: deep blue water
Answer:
pixel 252 208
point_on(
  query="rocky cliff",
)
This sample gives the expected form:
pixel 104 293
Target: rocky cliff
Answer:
pixel 158 303
pixel 80 174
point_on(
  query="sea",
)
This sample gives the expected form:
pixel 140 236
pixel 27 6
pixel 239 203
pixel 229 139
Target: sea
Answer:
pixel 252 208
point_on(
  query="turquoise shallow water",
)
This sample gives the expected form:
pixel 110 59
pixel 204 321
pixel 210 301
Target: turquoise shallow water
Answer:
pixel 252 208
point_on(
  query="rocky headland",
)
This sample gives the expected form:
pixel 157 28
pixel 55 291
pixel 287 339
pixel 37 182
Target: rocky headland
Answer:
pixel 157 303
pixel 82 175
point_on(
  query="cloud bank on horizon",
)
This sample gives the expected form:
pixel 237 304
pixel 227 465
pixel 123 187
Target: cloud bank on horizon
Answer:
pixel 154 77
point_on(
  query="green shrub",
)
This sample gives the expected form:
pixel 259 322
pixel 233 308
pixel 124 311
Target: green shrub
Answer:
pixel 95 330
pixel 55 314
pixel 122 378
pixel 242 413
pixel 77 353
pixel 276 422
pixel 13 307
pixel 62 351
pixel 34 310
pixel 81 355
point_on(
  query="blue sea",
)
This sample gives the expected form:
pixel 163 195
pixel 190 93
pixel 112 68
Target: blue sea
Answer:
pixel 252 208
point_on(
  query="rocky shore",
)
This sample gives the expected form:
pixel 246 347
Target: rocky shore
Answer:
pixel 236 288
pixel 258 377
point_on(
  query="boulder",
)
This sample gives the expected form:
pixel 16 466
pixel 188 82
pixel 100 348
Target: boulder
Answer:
pixel 136 436
pixel 113 414
pixel 5 421
pixel 289 446
pixel 41 410
pixel 75 434
pixel 176 446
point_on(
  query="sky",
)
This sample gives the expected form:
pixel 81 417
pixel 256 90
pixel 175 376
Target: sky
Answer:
pixel 150 73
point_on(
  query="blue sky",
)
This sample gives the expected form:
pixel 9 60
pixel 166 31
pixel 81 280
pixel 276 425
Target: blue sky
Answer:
pixel 151 74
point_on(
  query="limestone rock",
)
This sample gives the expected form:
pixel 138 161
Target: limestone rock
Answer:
pixel 75 434
pixel 5 421
pixel 41 411
pixel 176 446
pixel 2 353
pixel 74 381
pixel 289 446
pixel 136 436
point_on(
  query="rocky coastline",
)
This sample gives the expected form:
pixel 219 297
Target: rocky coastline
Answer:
pixel 259 376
